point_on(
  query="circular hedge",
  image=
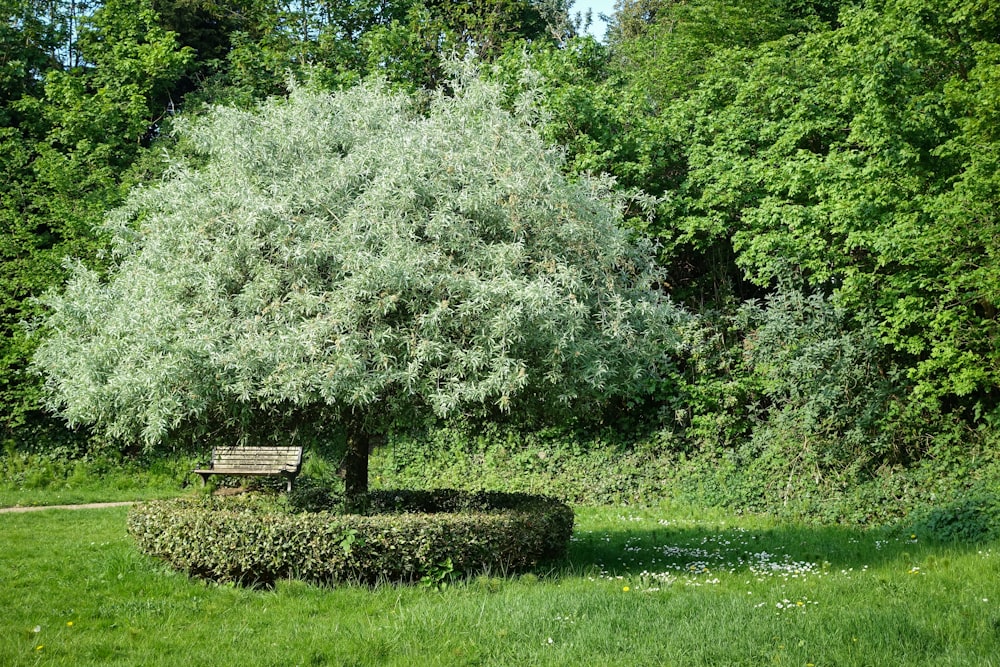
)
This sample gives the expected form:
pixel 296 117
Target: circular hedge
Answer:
pixel 403 536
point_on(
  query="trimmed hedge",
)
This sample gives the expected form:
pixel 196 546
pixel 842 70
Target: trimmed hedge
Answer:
pixel 405 536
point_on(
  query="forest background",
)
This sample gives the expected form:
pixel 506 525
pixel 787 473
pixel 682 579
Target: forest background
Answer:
pixel 821 177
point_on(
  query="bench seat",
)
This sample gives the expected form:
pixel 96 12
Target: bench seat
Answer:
pixel 269 461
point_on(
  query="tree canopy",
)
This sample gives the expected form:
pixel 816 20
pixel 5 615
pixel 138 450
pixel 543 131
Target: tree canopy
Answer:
pixel 824 175
pixel 87 87
pixel 349 258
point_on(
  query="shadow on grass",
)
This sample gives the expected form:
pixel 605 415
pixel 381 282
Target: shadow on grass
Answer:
pixel 700 549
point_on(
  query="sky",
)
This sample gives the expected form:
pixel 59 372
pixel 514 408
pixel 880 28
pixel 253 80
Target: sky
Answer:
pixel 597 7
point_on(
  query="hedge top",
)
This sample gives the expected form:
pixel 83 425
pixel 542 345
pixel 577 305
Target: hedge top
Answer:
pixel 406 536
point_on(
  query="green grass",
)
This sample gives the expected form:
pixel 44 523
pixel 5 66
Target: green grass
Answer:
pixel 640 587
pixel 33 480
pixel 62 495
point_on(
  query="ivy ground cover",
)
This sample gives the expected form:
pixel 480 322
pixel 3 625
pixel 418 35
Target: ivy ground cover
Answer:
pixel 665 586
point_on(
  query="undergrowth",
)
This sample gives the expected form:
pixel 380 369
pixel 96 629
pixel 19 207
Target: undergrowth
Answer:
pixel 36 478
pixel 619 468
pixel 952 490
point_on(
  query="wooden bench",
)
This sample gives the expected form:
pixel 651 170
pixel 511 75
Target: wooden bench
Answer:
pixel 284 461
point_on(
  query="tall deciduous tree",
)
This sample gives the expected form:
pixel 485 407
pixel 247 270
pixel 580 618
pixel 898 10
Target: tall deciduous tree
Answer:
pixel 345 259
pixel 614 108
pixel 405 41
pixel 81 90
pixel 863 160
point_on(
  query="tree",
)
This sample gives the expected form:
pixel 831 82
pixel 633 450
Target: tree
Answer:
pixel 68 138
pixel 406 41
pixel 344 259
pixel 859 160
pixel 614 109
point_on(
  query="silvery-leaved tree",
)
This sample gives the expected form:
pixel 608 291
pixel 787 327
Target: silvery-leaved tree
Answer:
pixel 356 259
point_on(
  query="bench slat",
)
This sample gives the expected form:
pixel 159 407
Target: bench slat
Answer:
pixel 285 461
pixel 275 462
pixel 241 471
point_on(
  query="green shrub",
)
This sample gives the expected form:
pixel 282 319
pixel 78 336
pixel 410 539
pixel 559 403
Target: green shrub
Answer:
pixel 975 518
pixel 599 467
pixel 406 536
pixel 314 495
pixel 58 471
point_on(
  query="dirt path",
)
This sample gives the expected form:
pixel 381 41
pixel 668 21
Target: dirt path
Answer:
pixel 85 506
pixel 224 491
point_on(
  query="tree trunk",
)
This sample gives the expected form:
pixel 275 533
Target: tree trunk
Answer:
pixel 356 466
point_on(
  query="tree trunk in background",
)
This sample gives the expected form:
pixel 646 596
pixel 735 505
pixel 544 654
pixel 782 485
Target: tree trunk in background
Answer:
pixel 356 465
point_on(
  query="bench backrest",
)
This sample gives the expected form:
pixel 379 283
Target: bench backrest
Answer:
pixel 259 459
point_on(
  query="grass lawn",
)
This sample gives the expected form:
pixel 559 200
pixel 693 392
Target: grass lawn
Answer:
pixel 27 480
pixel 78 496
pixel 640 587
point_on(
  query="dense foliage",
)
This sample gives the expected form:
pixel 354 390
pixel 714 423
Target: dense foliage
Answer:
pixel 861 185
pixel 407 537
pixel 69 137
pixel 346 259
pixel 831 165
pixel 825 177
pixel 87 87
